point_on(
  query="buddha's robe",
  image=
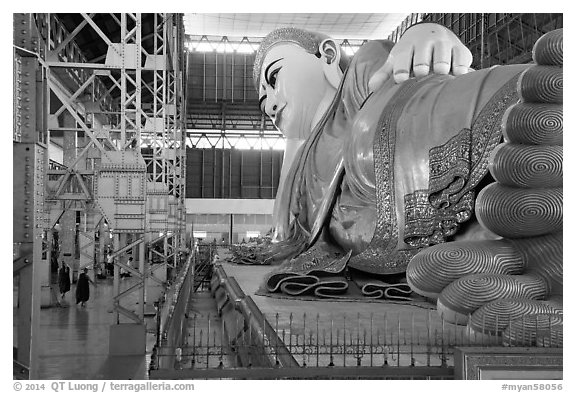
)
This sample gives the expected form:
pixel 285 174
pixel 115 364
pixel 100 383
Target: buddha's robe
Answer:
pixel 388 173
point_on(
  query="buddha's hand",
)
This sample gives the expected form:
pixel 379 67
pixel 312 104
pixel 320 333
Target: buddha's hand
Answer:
pixel 424 48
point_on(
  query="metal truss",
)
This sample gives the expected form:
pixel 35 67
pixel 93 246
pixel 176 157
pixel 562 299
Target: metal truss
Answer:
pixel 208 43
pixel 102 101
pixel 236 139
pixel 221 94
pixel 113 83
pixel 163 138
pixel 227 115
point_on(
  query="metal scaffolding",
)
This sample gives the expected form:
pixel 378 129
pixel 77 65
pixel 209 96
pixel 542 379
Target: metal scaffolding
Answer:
pixel 101 87
pixel 221 94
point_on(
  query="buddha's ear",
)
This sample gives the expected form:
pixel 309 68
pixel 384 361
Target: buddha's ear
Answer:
pixel 330 55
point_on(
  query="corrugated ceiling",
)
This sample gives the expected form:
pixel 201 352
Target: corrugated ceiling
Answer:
pixel 351 26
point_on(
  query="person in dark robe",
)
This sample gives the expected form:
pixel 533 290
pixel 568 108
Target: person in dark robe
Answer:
pixel 83 288
pixel 64 279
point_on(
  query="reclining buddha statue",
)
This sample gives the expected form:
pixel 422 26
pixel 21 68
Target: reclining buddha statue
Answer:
pixel 408 171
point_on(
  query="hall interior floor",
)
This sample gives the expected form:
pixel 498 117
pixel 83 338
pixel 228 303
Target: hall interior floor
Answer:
pixel 74 339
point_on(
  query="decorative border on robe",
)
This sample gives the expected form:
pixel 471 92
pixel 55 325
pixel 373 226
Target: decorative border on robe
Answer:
pixel 455 168
pixel 382 255
pixel 426 225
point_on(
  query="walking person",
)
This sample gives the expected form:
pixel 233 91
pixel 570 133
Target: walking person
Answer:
pixel 124 272
pixel 64 279
pixel 83 287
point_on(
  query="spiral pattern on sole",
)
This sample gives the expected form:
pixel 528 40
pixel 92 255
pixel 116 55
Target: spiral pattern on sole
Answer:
pixel 542 330
pixel 498 315
pixel 542 84
pixel 548 50
pixel 527 166
pixel 534 124
pixel 515 212
pixel 434 268
pixel 544 256
pixel 469 293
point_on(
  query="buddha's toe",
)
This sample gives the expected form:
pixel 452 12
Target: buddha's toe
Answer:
pixel 434 268
pixel 466 295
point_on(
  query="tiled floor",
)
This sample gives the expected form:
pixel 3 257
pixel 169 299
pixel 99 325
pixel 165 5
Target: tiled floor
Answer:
pixel 75 340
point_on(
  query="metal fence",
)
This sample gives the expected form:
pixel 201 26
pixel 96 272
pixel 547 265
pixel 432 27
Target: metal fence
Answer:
pixel 416 345
pixel 202 259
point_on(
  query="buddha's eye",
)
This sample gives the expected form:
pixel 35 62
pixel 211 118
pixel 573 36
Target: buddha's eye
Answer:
pixel 262 103
pixel 273 77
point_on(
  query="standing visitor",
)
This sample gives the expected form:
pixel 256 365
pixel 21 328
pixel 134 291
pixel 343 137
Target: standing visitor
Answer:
pixel 110 264
pixel 83 287
pixel 64 279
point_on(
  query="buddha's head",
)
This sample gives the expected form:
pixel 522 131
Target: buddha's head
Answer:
pixel 295 73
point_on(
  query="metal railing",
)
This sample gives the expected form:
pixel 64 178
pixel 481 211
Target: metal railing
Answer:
pixel 420 341
pixel 203 257
pixel 415 345
pixel 170 312
pixel 19 370
pixel 236 340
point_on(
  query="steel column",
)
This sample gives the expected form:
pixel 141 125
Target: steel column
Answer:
pixel 30 166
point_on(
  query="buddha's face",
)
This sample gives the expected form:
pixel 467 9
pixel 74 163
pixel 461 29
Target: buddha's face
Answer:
pixel 292 85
